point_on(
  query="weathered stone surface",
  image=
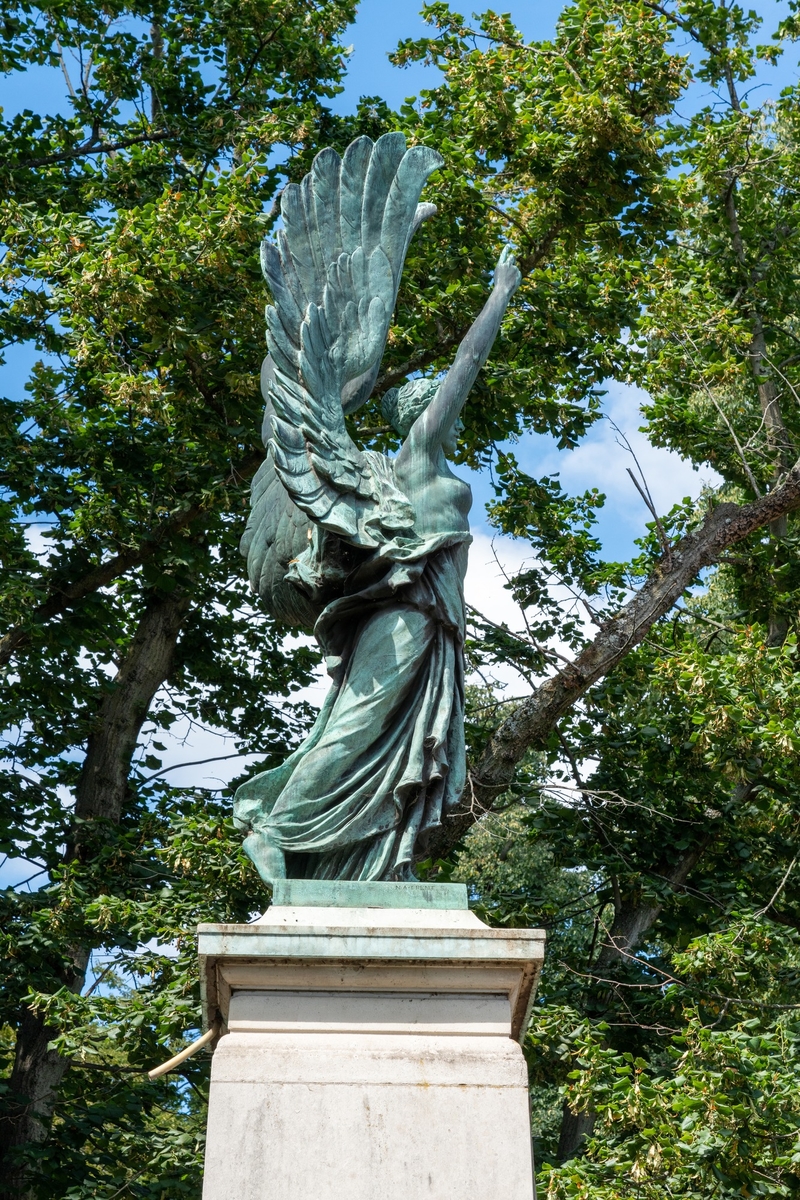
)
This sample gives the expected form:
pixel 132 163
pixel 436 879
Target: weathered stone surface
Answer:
pixel 388 1071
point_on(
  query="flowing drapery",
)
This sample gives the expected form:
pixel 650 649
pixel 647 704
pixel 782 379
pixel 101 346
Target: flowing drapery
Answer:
pixel 385 760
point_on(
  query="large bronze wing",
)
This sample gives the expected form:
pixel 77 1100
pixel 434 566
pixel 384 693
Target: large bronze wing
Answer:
pixel 334 274
pixel 276 535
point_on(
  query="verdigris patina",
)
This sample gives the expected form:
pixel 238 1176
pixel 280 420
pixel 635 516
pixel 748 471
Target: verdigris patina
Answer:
pixel 368 549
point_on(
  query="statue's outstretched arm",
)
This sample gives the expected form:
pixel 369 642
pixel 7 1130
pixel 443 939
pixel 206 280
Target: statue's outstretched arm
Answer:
pixel 438 419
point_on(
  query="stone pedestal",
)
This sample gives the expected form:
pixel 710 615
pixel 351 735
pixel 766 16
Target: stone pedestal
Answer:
pixel 369 1048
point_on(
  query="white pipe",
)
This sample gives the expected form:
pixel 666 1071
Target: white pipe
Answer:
pixel 197 1044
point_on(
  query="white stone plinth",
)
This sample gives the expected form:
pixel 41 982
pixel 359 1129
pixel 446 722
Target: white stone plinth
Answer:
pixel 369 1054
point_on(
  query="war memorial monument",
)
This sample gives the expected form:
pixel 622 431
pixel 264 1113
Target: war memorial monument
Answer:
pixel 370 1021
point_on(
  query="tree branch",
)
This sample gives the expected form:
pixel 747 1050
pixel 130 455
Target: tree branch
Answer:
pixel 532 721
pixel 423 358
pixel 94 147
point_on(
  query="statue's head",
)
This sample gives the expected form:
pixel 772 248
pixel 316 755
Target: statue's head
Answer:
pixel 401 406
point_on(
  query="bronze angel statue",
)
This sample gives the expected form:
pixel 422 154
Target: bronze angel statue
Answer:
pixel 369 550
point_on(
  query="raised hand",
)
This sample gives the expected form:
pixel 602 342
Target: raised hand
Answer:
pixel 507 275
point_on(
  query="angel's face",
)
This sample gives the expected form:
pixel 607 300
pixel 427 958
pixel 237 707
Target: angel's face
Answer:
pixel 450 443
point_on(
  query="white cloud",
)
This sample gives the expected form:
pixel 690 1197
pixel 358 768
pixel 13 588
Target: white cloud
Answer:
pixel 210 755
pixel 601 460
pixel 492 562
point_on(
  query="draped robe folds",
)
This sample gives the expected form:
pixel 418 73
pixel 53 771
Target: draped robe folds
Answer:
pixel 385 761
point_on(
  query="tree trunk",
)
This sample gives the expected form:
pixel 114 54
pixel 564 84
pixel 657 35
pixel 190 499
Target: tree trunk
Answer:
pixel 100 796
pixel 100 793
pixel 576 1127
pixel 634 916
pixel 34 1081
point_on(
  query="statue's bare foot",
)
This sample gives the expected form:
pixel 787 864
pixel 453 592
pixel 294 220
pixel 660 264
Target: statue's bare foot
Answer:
pixel 269 859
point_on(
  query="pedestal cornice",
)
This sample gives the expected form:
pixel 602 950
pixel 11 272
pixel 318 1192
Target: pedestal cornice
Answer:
pixel 372 949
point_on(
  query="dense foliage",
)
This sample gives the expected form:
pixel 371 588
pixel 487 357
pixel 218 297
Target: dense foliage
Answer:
pixel 651 821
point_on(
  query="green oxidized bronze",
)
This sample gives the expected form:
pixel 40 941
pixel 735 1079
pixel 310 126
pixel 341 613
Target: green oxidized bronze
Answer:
pixel 370 551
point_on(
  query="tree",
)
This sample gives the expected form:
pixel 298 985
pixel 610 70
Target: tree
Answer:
pixel 131 228
pixel 667 741
pixel 645 790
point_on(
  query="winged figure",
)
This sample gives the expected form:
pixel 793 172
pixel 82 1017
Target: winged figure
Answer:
pixel 368 550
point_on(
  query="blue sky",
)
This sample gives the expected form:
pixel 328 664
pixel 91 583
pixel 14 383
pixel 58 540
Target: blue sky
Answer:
pixel 381 25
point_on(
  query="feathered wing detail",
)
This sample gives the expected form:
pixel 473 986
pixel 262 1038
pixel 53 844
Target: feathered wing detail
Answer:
pixel 277 533
pixel 334 273
pixel 367 198
pixel 326 475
